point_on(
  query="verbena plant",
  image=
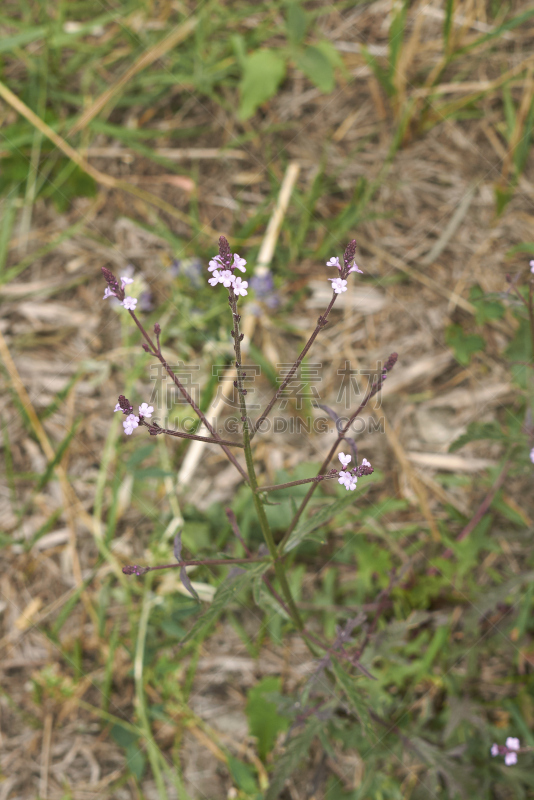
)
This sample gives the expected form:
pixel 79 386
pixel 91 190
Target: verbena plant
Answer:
pixel 339 661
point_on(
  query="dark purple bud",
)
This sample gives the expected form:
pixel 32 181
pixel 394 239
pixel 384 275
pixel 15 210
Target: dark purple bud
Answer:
pixel 133 569
pixel 390 363
pixel 145 347
pixel 111 280
pixel 125 404
pixel 349 254
pixel 241 337
pixel 232 333
pixel 226 256
pixel 235 384
pixel 157 329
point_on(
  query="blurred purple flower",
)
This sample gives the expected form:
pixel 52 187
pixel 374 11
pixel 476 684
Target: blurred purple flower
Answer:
pixel 145 302
pixel 190 268
pixel 263 286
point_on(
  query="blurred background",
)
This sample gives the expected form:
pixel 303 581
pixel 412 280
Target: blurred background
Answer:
pixel 134 134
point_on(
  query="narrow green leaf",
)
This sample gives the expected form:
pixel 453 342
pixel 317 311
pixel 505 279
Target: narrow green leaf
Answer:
pixel 304 529
pixel 225 594
pixel 355 697
pixel 297 748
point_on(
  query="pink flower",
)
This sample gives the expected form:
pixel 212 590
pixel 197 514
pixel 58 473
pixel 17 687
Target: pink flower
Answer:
pixel 532 266
pixel 355 268
pixel 117 408
pixel 130 424
pixel 532 455
pixel 343 477
pixel 145 410
pixel 344 459
pixel 365 463
pixel 240 287
pixel 494 750
pixel 239 263
pixel 108 293
pixel 125 280
pixel 334 262
pixel 215 263
pixel 510 758
pixel 215 278
pixel 512 743
pixel 226 277
pixel 338 285
pixel 129 303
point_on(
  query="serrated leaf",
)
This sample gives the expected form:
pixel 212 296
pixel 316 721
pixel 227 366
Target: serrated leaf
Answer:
pixel 317 67
pixel 354 696
pixel 463 345
pixel 264 721
pixel 296 22
pixel 304 529
pixel 297 748
pixel 263 72
pixel 227 591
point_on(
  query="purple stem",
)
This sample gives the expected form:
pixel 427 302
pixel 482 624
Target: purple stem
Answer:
pixel 156 351
pixel 155 430
pixel 321 322
pixel 340 437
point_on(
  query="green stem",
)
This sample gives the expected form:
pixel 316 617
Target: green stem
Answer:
pixel 260 510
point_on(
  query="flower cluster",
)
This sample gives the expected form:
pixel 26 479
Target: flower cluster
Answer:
pixel 349 478
pixel 132 421
pixel 339 285
pixel 114 290
pixel 223 266
pixel 509 751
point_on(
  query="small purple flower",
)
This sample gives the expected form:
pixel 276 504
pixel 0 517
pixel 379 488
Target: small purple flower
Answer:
pixel 334 262
pixel 365 463
pixel 226 277
pixel 532 266
pixel 145 410
pixel 215 263
pixel 126 280
pixel 239 263
pixel 532 455
pixel 343 477
pixel 118 408
pixel 240 287
pixel 345 459
pixel 494 750
pixel 355 268
pixel 131 423
pixel 338 285
pixel 512 743
pixel 129 303
pixel 510 758
pixel 215 278
pixel 108 293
